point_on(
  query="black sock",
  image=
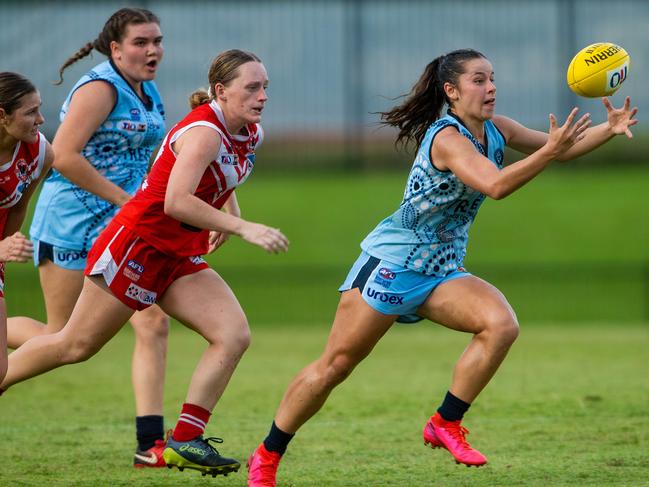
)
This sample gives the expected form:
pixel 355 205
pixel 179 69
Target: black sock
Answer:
pixel 277 440
pixel 453 408
pixel 148 429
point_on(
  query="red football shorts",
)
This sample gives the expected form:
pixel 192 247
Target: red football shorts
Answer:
pixel 137 273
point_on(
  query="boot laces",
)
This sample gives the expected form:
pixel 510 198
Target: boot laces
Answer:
pixel 458 432
pixel 212 439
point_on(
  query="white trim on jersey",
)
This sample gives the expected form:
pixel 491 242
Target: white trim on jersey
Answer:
pixel 218 183
pixel 7 165
pixel 41 155
pixel 261 133
pixel 200 123
pixel 105 264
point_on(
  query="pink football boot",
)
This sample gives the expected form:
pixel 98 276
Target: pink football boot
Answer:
pixel 439 433
pixel 262 467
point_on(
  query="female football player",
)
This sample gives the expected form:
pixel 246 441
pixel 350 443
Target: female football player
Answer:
pixel 411 264
pixel 150 253
pixel 112 120
pixel 25 157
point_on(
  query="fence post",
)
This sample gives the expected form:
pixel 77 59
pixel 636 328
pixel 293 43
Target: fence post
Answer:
pixel 567 27
pixel 354 109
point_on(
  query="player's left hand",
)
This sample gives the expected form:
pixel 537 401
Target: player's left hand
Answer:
pixel 215 240
pixel 16 248
pixel 620 119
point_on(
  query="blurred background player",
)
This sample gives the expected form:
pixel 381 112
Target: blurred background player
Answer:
pixel 151 250
pixel 410 267
pixel 111 122
pixel 25 157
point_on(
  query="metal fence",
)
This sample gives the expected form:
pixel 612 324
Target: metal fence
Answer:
pixel 333 63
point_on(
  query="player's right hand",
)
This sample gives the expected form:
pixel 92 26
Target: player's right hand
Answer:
pixel 561 138
pixel 16 248
pixel 268 238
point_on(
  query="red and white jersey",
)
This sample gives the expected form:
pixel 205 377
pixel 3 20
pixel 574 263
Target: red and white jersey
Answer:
pixel 16 175
pixel 144 213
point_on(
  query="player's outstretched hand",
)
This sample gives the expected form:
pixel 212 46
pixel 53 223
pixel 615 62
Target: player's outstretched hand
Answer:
pixel 561 138
pixel 620 119
pixel 16 248
pixel 269 239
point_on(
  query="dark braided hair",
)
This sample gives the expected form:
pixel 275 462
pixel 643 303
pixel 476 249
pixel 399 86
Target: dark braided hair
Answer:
pixel 114 30
pixel 423 105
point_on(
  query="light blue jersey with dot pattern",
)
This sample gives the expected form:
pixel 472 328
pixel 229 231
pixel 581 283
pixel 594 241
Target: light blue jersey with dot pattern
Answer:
pixel 430 230
pixel 71 217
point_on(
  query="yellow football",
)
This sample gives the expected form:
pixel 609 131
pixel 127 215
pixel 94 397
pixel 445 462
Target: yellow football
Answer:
pixel 598 70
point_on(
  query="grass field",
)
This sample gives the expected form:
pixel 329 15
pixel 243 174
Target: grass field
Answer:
pixel 569 406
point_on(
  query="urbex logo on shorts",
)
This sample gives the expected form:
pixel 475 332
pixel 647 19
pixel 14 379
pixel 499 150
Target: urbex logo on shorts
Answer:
pixel 384 298
pixel 140 294
pixel 70 255
pixel 617 76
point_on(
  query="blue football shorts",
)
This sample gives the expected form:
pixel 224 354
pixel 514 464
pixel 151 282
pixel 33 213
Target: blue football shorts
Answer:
pixel 71 259
pixel 392 289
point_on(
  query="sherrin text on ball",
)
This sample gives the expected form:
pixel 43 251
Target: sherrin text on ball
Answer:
pixel 598 70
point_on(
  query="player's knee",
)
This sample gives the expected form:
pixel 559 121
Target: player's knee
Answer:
pixel 502 325
pixel 155 328
pixel 77 350
pixel 236 339
pixel 241 339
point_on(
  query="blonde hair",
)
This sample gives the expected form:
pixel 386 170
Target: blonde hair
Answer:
pixel 223 70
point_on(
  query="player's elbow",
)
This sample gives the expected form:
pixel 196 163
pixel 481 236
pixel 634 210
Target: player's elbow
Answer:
pixel 496 190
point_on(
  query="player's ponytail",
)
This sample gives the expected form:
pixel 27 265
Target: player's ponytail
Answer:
pixel 423 105
pixel 199 97
pixel 114 30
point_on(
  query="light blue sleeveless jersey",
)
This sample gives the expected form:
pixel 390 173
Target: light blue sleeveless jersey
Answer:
pixel 71 217
pixel 430 230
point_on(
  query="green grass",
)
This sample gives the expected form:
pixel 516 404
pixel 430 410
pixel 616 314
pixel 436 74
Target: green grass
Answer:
pixel 568 407
pixel 570 246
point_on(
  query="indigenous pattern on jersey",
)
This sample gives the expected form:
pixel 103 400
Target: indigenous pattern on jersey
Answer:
pixel 23 169
pixel 144 214
pixel 430 230
pixel 120 149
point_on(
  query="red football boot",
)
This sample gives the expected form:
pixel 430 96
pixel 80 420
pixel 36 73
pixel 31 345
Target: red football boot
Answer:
pixel 151 457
